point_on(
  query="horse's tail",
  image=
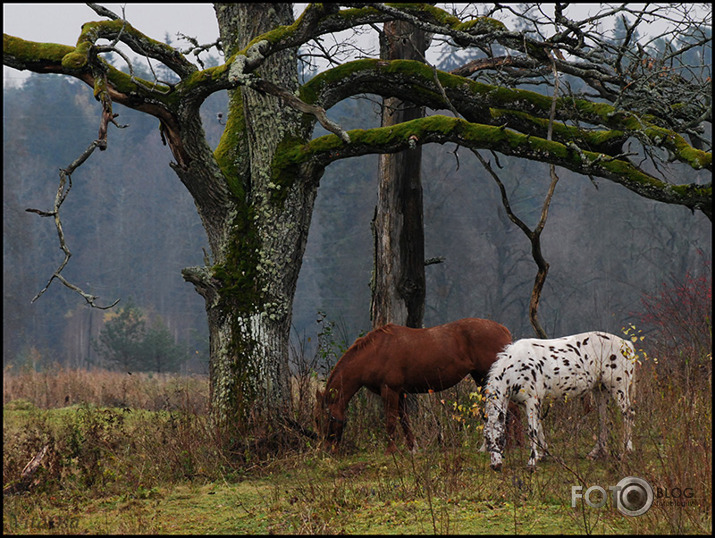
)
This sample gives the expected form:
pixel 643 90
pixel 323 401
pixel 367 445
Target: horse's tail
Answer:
pixel 631 357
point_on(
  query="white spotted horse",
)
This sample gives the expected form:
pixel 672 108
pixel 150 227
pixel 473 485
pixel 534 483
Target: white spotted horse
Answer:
pixel 530 370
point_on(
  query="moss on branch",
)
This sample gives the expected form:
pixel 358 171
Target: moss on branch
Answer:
pixel 596 140
pixel 441 129
pixel 22 54
pixel 232 142
pixel 318 19
pixel 74 61
pixel 477 101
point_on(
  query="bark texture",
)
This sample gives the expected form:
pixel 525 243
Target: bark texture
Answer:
pixel 398 288
pixel 257 259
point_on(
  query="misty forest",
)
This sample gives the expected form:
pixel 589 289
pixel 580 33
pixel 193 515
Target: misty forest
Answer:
pixel 132 230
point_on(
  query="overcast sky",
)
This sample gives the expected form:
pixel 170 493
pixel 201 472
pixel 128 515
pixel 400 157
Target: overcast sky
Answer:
pixel 60 23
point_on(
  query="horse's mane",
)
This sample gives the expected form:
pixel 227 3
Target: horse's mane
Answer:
pixel 363 341
pixel 360 344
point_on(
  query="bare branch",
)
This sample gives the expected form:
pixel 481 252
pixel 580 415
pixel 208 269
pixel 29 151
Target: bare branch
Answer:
pixel 196 49
pixel 104 12
pixel 63 190
pixel 534 235
pixel 319 113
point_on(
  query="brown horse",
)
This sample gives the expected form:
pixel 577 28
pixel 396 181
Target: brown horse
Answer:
pixel 393 360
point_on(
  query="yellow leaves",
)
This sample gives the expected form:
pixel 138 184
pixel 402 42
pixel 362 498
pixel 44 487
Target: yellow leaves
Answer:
pixel 109 315
pixel 466 411
pixel 635 336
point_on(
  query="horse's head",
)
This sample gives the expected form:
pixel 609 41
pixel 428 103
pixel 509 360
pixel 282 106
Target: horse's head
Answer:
pixel 327 423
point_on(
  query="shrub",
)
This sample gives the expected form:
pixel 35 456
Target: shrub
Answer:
pixel 678 322
pixel 126 342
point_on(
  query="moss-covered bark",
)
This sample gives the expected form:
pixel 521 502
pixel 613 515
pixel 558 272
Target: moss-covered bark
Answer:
pixel 522 110
pixel 257 269
pixel 440 129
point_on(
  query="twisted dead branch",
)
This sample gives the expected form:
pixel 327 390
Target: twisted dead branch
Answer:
pixel 63 190
pixel 28 472
pixel 534 235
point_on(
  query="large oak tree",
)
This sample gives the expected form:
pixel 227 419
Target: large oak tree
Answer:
pixel 638 116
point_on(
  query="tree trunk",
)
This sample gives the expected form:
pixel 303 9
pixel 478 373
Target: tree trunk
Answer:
pixel 257 251
pixel 398 288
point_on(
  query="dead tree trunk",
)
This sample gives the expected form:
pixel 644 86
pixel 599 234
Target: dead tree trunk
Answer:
pixel 398 287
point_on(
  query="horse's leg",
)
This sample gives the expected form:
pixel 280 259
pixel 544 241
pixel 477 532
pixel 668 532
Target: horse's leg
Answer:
pixel 536 433
pixel 495 433
pixel 622 395
pixel 405 422
pixel 390 399
pixel 514 428
pixel 599 450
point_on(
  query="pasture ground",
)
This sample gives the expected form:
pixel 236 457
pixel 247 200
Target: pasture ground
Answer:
pixel 135 455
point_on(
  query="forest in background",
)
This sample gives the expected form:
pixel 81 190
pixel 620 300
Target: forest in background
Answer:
pixel 132 227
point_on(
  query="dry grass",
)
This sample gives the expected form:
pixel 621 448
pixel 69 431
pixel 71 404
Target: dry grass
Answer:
pixel 59 387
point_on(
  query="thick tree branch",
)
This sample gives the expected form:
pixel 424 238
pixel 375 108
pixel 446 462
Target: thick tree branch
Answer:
pixel 588 60
pixel 141 44
pixel 83 63
pixel 414 81
pixel 319 19
pixel 441 129
pixel 485 103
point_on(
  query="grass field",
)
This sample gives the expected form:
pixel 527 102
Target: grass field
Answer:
pixel 135 454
